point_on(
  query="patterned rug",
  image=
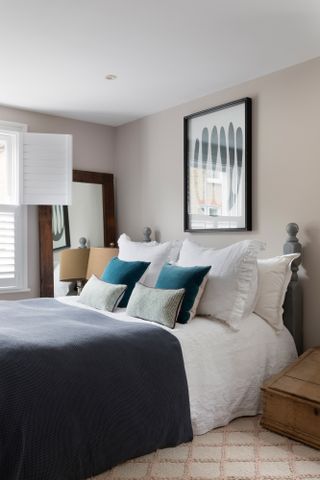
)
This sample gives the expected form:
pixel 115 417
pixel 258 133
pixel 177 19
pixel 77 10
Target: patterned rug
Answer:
pixel 240 451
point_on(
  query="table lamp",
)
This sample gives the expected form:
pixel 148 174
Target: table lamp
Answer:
pixel 73 266
pixel 99 259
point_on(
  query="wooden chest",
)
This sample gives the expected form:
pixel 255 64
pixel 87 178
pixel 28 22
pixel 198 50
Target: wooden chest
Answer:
pixel 291 400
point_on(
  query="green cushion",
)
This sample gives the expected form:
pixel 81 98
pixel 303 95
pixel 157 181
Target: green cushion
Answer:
pixel 155 305
pixel 124 273
pixel 102 295
pixel 192 279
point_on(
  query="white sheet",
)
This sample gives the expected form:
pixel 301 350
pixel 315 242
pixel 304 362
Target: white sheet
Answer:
pixel 225 369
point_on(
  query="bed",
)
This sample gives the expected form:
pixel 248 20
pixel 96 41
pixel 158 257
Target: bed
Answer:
pixel 224 368
pixel 58 419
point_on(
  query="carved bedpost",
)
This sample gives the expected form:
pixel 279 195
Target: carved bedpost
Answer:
pixel 147 234
pixel 292 315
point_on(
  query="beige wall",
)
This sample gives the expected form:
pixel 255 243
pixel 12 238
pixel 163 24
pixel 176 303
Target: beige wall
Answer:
pixel 93 149
pixel 149 170
pixel 286 171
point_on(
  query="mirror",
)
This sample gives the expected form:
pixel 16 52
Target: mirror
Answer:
pixel 91 216
pixel 86 214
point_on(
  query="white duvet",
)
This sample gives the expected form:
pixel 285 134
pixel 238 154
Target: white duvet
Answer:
pixel 225 369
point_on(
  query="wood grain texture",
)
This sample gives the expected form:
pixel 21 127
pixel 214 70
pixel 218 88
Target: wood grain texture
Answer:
pixel 45 226
pixel 291 400
pixel 45 251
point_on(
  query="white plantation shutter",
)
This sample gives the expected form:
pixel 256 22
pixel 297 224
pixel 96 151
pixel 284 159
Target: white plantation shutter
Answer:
pixel 35 169
pixel 7 248
pixel 46 169
pixel 12 243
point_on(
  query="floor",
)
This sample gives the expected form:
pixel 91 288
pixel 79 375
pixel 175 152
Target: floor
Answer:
pixel 242 450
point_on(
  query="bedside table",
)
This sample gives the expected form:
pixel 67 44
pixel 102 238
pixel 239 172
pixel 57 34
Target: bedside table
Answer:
pixel 291 400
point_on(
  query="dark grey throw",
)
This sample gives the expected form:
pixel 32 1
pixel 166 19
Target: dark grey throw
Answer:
pixel 81 392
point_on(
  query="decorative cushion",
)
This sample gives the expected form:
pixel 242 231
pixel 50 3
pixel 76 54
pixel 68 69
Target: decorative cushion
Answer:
pixel 274 275
pixel 99 294
pixel 124 273
pixel 155 305
pixel 231 289
pixel 155 253
pixel 192 279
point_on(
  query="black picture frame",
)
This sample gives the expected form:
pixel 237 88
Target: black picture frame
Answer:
pixel 60 227
pixel 226 140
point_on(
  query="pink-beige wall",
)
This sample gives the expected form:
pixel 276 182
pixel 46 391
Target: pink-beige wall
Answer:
pixel 286 172
pixel 93 149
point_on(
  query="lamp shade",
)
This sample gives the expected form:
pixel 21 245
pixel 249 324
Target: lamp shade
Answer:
pixel 73 264
pixel 99 259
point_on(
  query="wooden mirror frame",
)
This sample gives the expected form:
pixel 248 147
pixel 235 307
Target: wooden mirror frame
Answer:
pixel 45 226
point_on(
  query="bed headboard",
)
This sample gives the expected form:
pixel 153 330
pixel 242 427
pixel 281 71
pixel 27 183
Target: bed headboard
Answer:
pixel 292 315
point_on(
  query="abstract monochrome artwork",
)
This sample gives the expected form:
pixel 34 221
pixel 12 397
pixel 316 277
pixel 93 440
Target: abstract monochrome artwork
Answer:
pixel 60 227
pixel 217 176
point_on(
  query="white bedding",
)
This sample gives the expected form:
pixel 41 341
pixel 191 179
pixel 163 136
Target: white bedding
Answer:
pixel 224 368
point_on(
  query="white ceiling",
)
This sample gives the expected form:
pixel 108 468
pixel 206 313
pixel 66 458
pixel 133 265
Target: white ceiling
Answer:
pixel 55 53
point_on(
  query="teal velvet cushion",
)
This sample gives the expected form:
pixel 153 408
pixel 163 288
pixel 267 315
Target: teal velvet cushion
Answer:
pixel 192 279
pixel 155 304
pixel 124 273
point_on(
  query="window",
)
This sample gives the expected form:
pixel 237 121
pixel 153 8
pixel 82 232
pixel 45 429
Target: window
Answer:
pixel 35 169
pixel 13 244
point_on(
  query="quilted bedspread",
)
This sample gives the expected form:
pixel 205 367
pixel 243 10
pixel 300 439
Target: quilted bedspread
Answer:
pixel 81 392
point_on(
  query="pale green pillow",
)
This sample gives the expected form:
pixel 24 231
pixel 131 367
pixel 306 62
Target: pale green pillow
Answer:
pixel 155 304
pixel 101 295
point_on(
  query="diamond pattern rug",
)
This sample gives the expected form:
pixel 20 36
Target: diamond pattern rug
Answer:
pixel 242 450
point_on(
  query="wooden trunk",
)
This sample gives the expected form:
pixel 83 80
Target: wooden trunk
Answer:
pixel 291 400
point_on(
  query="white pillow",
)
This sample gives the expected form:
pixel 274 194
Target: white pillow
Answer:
pixel 274 275
pixel 175 250
pixel 156 253
pixel 231 288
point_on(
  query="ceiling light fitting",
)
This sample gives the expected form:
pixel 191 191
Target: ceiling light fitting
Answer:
pixel 111 76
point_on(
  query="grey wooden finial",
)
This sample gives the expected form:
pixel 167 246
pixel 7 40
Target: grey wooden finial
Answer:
pixel 292 230
pixel 293 245
pixel 147 234
pixel 83 242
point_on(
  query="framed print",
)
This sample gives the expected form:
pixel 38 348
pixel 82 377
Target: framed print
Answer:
pixel 217 168
pixel 60 227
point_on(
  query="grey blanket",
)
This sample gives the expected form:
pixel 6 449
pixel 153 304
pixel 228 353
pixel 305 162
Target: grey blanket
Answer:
pixel 81 392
